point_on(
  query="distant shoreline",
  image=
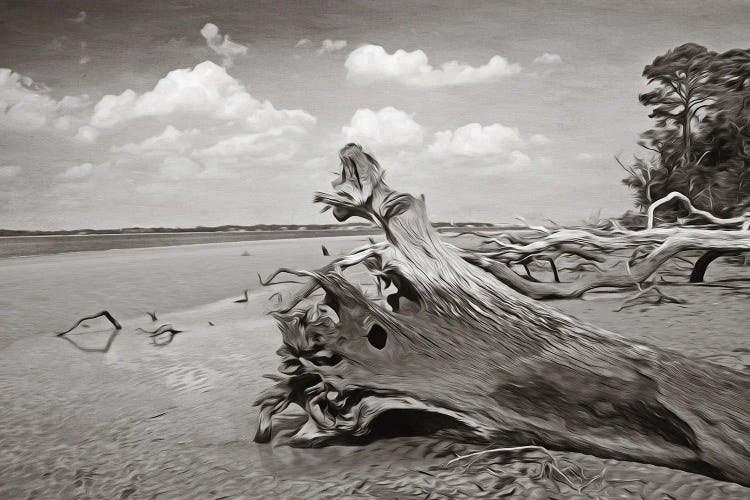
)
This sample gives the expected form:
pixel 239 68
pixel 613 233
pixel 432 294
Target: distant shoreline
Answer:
pixel 259 228
pixel 36 245
pixel 298 233
pixel 52 244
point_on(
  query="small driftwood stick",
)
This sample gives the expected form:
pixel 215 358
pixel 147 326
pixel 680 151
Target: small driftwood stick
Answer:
pixel 106 314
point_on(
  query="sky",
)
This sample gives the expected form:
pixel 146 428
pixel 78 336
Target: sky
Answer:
pixel 190 112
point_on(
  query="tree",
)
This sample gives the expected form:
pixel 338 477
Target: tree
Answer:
pixel 684 87
pixel 450 345
pixel 701 137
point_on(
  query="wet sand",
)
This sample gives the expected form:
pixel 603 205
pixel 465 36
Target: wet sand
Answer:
pixel 141 421
pixel 17 246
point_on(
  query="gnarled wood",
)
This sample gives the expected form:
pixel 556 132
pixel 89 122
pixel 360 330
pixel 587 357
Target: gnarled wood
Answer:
pixel 106 314
pixel 498 364
pixel 742 221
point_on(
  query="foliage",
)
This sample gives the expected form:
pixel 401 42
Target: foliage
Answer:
pixel 701 135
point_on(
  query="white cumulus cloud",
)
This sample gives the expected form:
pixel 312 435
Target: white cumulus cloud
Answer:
pixel 492 145
pixel 475 140
pixel 223 46
pixel 586 156
pixel 548 58
pixel 78 171
pixel 371 63
pixel 331 46
pixel 386 128
pixel 87 134
pixel 303 42
pixel 25 106
pixel 207 91
pixel 171 140
pixel 81 17
pixel 230 131
pixel 258 145
pixel 179 168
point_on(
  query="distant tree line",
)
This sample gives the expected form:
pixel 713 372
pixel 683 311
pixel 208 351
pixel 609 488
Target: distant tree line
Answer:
pixel 700 141
pixel 350 226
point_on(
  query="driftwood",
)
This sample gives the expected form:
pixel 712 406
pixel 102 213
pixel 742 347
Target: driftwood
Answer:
pixel 650 251
pixel 488 363
pixel 160 333
pixel 602 248
pixel 106 314
pixel 743 221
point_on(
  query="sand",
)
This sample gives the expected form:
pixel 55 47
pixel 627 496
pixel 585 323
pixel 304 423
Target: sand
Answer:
pixel 141 421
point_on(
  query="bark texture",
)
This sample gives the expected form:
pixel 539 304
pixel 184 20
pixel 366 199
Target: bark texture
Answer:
pixel 449 336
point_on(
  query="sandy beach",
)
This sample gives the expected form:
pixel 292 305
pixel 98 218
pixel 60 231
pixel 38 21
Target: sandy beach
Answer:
pixel 141 421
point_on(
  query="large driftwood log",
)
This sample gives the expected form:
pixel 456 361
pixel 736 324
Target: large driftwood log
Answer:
pixel 494 364
pixel 652 250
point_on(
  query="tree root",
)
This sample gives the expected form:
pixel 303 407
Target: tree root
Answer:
pixel 490 364
pixel 571 475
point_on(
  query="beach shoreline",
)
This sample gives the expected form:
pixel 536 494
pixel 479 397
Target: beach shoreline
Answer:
pixel 140 421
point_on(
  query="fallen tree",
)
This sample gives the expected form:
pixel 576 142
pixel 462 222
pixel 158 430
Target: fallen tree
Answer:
pixel 447 343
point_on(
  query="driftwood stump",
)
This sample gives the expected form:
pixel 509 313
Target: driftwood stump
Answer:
pixel 451 340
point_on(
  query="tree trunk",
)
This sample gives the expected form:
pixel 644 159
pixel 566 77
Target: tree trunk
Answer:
pixel 498 365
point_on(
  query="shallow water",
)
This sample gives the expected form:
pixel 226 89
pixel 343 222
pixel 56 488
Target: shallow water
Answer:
pixel 15 246
pixel 138 421
pixel 48 293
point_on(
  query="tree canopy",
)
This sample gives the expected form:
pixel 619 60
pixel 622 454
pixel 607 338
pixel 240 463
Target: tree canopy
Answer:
pixel 701 135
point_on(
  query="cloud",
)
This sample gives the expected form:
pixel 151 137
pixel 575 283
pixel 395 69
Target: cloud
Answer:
pixel 371 63
pixel 492 145
pixel 275 143
pixel 81 17
pixel 179 168
pixel 548 58
pixel 78 171
pixel 223 46
pixel 230 130
pixel 475 140
pixel 9 171
pixel 171 140
pixel 384 129
pixel 586 157
pixel 207 91
pixel 539 140
pixel 24 105
pixel 303 42
pixel 87 134
pixel 331 46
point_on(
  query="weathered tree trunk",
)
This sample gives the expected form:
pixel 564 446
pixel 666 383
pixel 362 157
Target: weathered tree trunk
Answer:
pixel 499 365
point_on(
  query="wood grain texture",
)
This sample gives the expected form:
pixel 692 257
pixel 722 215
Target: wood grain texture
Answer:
pixel 462 343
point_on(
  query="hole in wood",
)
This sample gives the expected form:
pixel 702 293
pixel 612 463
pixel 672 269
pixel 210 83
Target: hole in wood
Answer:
pixel 377 337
